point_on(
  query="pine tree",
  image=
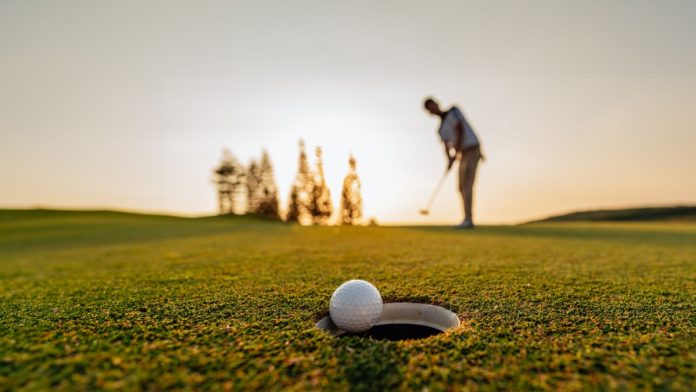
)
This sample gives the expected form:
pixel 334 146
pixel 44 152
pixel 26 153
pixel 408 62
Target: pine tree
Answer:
pixel 253 184
pixel 229 177
pixel 351 199
pixel 321 206
pixel 300 194
pixel 293 214
pixel 268 195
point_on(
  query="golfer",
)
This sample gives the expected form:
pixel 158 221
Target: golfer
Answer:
pixel 461 143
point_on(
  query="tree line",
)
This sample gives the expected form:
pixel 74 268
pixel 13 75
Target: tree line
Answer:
pixel 252 189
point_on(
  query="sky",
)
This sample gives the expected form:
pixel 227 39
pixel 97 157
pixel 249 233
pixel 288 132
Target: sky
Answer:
pixel 128 104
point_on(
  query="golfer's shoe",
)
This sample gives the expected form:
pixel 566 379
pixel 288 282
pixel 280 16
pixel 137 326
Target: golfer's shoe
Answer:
pixel 466 224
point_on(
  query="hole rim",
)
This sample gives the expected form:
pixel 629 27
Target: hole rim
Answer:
pixel 411 313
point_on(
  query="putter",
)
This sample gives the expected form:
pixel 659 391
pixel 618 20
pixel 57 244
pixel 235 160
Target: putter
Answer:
pixel 426 210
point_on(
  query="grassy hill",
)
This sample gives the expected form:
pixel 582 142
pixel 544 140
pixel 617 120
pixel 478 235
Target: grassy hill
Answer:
pixel 103 300
pixel 57 229
pixel 629 214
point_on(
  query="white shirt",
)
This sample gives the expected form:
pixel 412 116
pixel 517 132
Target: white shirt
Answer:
pixel 448 130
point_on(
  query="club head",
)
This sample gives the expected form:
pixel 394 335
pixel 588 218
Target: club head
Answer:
pixel 424 212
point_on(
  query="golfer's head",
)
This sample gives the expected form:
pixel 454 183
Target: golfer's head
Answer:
pixel 432 106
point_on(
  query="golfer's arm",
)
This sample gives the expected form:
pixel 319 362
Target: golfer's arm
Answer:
pixel 448 149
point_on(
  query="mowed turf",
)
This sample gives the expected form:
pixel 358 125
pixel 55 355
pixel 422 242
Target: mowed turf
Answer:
pixel 92 300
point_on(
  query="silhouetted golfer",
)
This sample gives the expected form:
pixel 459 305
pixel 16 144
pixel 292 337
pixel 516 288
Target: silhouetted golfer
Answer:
pixel 460 143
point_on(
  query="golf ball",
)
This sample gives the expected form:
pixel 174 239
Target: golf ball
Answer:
pixel 355 306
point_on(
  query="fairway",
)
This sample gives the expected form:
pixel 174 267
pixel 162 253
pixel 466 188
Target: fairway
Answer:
pixel 105 300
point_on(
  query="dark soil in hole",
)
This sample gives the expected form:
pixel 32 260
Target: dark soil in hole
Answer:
pixel 397 332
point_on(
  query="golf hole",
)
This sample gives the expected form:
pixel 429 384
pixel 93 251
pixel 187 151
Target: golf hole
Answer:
pixel 401 321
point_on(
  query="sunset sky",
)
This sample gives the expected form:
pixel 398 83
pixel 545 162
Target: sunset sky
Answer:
pixel 128 104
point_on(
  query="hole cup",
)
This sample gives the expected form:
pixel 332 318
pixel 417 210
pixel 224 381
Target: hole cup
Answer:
pixel 402 320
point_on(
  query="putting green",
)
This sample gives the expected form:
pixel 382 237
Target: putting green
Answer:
pixel 92 300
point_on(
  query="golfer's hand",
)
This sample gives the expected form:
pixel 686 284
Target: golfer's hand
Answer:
pixel 451 162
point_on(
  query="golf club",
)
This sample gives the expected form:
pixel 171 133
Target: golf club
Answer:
pixel 426 210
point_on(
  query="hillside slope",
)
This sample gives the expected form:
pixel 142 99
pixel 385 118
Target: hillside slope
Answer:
pixel 628 214
pixel 23 230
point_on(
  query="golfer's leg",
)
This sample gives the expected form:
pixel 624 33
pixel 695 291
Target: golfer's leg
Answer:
pixel 462 183
pixel 469 178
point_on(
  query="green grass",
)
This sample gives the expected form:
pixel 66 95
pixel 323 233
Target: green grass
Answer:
pixel 102 300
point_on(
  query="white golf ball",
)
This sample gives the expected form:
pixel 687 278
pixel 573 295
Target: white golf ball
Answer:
pixel 355 306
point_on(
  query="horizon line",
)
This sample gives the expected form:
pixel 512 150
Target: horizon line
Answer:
pixel 201 215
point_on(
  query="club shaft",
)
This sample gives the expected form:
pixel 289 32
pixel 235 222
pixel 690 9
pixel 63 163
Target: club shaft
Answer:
pixel 437 189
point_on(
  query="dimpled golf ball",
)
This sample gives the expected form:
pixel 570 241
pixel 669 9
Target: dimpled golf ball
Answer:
pixel 355 306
